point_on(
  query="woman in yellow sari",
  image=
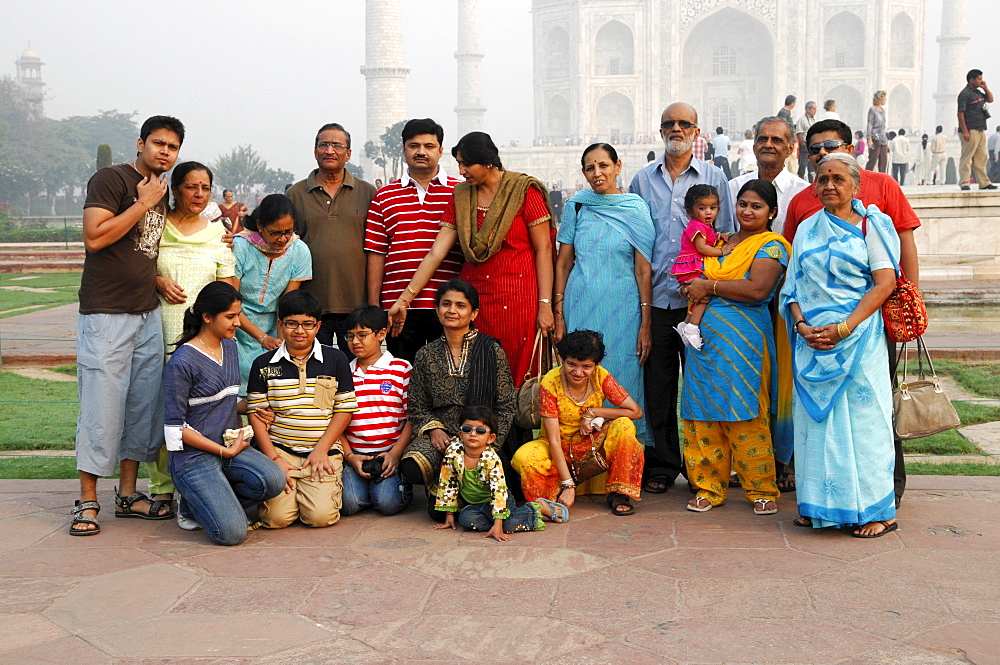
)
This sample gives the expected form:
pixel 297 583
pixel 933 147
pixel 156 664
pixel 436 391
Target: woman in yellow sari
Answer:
pixel 575 420
pixel 737 387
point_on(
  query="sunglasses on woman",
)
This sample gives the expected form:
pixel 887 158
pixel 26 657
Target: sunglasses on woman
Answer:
pixel 469 429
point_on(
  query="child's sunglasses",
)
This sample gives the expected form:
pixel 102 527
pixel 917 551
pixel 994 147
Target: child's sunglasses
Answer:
pixel 469 429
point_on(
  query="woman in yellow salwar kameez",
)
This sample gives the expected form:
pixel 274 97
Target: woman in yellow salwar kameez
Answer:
pixel 575 418
pixel 737 388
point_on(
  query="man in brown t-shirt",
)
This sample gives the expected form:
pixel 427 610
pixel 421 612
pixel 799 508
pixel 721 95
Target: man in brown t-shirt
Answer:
pixel 119 332
pixel 331 206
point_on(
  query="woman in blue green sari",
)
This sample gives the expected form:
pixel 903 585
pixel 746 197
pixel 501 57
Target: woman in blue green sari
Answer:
pixel 603 275
pixel 843 267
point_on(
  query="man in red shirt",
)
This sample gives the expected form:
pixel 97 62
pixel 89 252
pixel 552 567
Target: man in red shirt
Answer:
pixel 879 189
pixel 403 222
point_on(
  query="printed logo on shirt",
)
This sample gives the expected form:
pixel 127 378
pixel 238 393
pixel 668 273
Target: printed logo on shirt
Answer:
pixel 386 387
pixel 270 372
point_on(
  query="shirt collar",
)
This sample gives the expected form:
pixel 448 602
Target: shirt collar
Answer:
pixel 695 165
pixel 312 180
pixel 384 362
pixel 282 352
pixel 441 177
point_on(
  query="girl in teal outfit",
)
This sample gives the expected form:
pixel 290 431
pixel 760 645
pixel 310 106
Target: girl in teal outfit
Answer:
pixel 270 261
pixel 603 275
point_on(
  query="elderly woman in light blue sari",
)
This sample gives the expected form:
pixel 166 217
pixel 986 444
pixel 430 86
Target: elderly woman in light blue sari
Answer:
pixel 843 267
pixel 603 275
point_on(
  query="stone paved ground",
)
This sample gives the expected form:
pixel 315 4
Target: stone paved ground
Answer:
pixel 665 586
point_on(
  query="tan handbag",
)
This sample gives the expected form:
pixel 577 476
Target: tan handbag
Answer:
pixel 920 407
pixel 593 463
pixel 528 413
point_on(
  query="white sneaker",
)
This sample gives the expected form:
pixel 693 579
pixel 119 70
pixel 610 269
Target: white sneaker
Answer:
pixel 187 523
pixel 681 329
pixel 693 336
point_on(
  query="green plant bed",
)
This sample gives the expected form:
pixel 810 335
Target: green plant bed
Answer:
pixel 36 414
pixel 60 289
pixel 981 379
pixel 68 370
pixel 48 468
pixel 952 469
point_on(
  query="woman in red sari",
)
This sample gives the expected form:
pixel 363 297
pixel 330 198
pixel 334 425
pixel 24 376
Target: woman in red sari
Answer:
pixel 502 221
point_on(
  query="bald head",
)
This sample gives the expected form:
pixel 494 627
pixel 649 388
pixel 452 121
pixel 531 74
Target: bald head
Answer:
pixel 679 129
pixel 679 107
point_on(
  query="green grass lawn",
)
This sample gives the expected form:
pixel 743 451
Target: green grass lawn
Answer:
pixel 951 442
pixel 34 468
pixel 979 378
pixel 952 469
pixel 36 414
pixel 61 289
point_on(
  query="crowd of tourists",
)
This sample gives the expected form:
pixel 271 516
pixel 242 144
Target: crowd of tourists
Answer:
pixel 340 346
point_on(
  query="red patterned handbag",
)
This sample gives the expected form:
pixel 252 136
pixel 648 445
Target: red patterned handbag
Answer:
pixel 903 312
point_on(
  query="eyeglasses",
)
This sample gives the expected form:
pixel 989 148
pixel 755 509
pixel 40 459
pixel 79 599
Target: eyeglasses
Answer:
pixel 305 325
pixel 337 147
pixel 830 146
pixel 683 124
pixel 359 336
pixel 469 429
pixel 278 235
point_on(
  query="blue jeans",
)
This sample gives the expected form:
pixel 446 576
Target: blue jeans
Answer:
pixel 389 496
pixel 479 517
pixel 216 490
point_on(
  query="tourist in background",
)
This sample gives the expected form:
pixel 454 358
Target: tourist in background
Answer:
pixel 331 207
pixel 972 117
pixel 878 142
pixel 993 148
pixel 663 186
pixel 939 158
pixel 720 151
pixel 859 145
pixel 603 274
pixel 748 161
pixel 191 256
pixel 801 127
pixel 233 211
pixel 900 156
pixel 502 223
pixel 843 396
pixel 270 261
pixel 829 111
pixel 924 160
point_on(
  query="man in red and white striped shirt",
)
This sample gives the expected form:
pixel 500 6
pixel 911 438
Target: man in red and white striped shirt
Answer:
pixel 379 429
pixel 403 221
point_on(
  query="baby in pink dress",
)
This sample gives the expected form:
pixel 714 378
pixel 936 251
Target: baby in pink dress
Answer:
pixel 697 242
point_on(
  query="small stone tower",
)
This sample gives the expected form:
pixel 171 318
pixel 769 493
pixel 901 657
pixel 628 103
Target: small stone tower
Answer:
pixel 951 64
pixel 384 71
pixel 29 75
pixel 470 109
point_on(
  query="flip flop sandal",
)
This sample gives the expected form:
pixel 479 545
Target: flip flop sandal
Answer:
pixel 560 513
pixel 660 479
pixel 786 482
pixel 888 528
pixel 760 507
pixel 734 481
pixel 80 518
pixel 153 513
pixel 803 522
pixel 698 507
pixel 616 500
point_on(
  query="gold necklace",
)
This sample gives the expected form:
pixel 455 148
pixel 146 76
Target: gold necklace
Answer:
pixel 569 393
pixel 216 358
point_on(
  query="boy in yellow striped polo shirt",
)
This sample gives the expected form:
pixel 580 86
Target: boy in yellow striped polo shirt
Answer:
pixel 310 389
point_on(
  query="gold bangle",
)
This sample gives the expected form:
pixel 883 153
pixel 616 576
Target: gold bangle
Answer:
pixel 645 304
pixel 843 330
pixel 715 285
pixel 415 294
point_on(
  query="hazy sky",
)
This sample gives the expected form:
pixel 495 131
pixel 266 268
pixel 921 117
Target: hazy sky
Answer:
pixel 270 73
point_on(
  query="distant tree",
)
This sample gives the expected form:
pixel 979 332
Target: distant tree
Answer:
pixel 356 171
pixel 388 152
pixel 373 151
pixel 245 172
pixel 119 130
pixel 103 156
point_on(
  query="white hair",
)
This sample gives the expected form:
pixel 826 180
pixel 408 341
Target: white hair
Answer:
pixel 852 165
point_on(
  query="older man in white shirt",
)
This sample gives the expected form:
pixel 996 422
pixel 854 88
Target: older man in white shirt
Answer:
pixel 773 143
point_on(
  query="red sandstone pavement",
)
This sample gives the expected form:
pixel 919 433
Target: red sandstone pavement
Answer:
pixel 663 586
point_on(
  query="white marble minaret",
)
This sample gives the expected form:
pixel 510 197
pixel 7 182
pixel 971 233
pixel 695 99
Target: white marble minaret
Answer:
pixel 470 108
pixel 384 71
pixel 952 64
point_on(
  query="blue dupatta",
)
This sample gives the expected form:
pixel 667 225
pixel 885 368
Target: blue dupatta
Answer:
pixel 626 213
pixel 827 276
